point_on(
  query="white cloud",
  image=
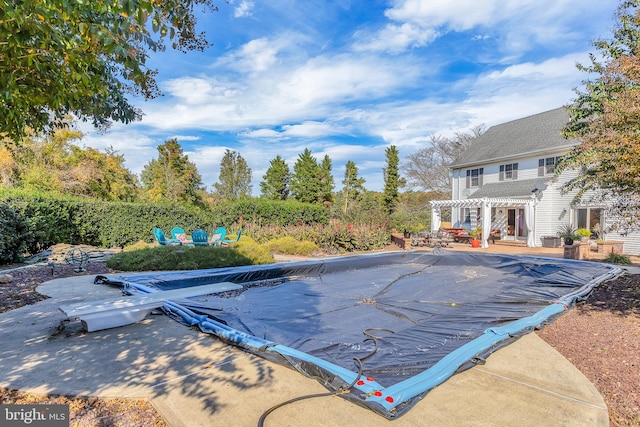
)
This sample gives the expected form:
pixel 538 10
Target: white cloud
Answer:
pixel 520 24
pixel 244 9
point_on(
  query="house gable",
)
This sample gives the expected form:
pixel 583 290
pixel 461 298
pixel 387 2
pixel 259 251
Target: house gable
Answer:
pixel 540 133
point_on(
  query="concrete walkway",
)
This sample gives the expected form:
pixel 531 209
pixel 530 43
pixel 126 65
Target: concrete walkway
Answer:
pixel 195 380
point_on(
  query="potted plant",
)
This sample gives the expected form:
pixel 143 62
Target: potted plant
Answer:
pixel 583 234
pixel 475 233
pixel 567 232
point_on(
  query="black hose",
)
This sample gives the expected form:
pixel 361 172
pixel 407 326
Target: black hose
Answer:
pixel 342 390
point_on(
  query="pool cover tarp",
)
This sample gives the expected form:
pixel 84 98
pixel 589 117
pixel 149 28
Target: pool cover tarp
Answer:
pixel 386 327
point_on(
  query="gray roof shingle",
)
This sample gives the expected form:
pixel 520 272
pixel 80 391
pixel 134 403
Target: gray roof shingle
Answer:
pixel 538 133
pixel 515 188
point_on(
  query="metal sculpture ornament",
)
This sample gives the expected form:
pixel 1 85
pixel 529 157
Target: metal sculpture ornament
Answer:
pixel 78 258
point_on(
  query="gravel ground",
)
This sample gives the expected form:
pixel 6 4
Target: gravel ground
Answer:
pixel 601 337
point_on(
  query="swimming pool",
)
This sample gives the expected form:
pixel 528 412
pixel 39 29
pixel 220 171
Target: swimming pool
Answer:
pixel 383 328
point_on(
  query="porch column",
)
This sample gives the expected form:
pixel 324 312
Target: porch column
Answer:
pixel 436 218
pixel 528 222
pixel 486 222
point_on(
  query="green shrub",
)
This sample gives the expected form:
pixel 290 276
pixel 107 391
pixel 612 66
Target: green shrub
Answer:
pixel 12 236
pixel 614 258
pixel 164 258
pixel 259 254
pixel 290 246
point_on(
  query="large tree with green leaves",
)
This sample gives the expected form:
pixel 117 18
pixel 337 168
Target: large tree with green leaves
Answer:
pixel 61 57
pixel 605 118
pixel 392 180
pixel 172 176
pixel 306 184
pixel 234 181
pixel 56 164
pixel 428 168
pixel 275 183
pixel 353 185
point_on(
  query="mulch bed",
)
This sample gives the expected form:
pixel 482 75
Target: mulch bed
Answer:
pixel 601 337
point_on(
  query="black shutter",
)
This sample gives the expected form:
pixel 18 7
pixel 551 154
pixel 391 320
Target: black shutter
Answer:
pixel 480 173
pixel 468 179
pixel 541 167
pixel 501 178
pixel 515 171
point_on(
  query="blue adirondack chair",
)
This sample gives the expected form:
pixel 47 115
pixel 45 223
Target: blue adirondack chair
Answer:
pixel 179 235
pixel 162 239
pixel 218 236
pixel 226 241
pixel 200 237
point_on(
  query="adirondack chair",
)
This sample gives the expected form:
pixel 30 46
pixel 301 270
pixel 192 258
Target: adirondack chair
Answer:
pixel 218 236
pixel 162 239
pixel 178 234
pixel 200 237
pixel 225 241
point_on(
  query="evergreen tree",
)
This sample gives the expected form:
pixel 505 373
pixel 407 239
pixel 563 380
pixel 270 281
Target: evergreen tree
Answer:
pixel 275 184
pixel 172 176
pixel 392 179
pixel 235 177
pixel 305 181
pixel 353 186
pixel 327 183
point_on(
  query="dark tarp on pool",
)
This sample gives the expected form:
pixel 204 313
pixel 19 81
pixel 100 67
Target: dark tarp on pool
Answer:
pixel 388 327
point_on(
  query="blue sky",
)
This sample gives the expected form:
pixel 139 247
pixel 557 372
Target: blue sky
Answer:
pixel 350 78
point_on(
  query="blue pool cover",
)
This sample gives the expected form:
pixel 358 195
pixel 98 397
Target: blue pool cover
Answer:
pixel 381 329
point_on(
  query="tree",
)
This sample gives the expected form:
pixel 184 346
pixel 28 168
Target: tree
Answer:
pixel 605 118
pixel 353 186
pixel 306 185
pixel 55 164
pixel 275 184
pixel 428 168
pixel 392 179
pixel 61 57
pixel 327 182
pixel 172 176
pixel 235 177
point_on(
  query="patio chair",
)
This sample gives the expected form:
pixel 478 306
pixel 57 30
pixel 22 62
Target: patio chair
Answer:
pixel 162 239
pixel 200 237
pixel 178 234
pixel 218 235
pixel 225 241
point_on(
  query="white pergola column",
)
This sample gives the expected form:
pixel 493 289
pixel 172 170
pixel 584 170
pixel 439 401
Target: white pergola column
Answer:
pixel 436 218
pixel 486 222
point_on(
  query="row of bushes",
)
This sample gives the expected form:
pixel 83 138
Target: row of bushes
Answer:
pixel 31 222
pixel 331 237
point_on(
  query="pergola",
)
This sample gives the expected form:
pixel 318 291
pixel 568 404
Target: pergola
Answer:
pixel 485 204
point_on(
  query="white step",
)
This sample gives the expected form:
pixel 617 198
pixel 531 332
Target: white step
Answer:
pixel 113 312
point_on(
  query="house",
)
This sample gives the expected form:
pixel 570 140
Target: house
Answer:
pixel 505 181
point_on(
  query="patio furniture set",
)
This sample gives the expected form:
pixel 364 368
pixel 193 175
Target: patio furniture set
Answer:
pixel 198 237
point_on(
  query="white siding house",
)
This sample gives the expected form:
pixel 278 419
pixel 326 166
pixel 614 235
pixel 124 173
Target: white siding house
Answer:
pixel 505 182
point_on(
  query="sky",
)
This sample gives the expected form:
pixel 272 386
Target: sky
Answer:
pixel 348 79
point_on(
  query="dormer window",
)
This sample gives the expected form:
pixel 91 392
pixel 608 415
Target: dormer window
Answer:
pixel 474 177
pixel 509 171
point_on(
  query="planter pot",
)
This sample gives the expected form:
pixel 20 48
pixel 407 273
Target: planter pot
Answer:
pixel 568 241
pixel 407 235
pixel 475 243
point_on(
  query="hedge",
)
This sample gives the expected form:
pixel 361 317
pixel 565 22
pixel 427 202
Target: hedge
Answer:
pixel 50 219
